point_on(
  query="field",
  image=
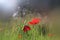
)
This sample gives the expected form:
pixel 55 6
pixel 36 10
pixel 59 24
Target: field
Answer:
pixel 13 30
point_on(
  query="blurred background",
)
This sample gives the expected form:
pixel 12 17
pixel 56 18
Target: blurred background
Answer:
pixel 13 9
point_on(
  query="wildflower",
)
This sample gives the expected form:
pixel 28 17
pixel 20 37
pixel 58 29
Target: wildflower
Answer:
pixel 50 35
pixel 26 28
pixel 19 36
pixel 31 23
pixel 34 21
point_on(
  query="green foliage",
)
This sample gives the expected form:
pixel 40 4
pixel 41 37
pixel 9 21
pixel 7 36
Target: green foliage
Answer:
pixel 15 27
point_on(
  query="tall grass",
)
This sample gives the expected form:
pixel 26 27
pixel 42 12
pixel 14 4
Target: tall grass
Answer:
pixel 11 30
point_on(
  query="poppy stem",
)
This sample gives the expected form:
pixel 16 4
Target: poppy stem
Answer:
pixel 33 26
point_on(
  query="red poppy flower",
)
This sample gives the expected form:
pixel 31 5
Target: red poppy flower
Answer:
pixel 34 21
pixel 26 28
pixel 30 23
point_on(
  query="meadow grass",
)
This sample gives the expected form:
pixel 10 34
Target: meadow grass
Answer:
pixel 10 31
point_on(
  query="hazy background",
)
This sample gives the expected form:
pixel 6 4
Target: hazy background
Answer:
pixel 38 5
pixel 50 7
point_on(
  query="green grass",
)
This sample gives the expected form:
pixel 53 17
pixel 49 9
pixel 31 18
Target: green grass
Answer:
pixel 10 31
